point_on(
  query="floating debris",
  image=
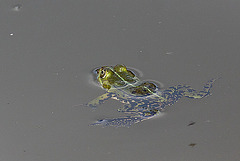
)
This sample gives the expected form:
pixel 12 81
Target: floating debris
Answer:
pixel 17 7
pixel 191 123
pixel 169 53
pixel 192 144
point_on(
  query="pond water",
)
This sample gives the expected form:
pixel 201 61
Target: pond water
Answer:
pixel 48 50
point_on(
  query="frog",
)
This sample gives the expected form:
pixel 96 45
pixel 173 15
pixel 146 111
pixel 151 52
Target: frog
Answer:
pixel 142 100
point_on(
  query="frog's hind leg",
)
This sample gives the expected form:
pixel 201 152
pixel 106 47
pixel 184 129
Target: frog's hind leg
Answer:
pixel 127 121
pixel 119 122
pixel 173 94
pixel 189 92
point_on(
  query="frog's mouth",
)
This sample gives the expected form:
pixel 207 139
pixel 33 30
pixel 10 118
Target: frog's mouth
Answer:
pixel 95 73
pixel 93 77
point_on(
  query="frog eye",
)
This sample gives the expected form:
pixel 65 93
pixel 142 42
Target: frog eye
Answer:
pixel 102 73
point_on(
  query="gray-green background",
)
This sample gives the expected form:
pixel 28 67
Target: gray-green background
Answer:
pixel 48 49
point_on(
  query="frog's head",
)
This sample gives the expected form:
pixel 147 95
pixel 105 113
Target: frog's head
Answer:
pixel 117 76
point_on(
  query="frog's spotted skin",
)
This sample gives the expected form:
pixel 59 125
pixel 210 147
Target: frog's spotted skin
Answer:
pixel 142 99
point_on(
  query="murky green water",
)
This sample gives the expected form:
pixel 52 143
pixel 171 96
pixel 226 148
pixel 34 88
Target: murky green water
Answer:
pixel 49 48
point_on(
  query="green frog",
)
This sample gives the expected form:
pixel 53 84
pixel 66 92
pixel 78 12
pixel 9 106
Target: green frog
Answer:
pixel 142 100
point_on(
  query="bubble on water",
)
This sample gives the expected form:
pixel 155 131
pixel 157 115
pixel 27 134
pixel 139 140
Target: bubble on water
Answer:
pixel 16 7
pixel 169 53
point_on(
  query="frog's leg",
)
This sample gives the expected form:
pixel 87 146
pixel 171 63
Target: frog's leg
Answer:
pixel 141 105
pixel 192 93
pixel 174 93
pixel 128 120
pixel 99 100
pixel 119 122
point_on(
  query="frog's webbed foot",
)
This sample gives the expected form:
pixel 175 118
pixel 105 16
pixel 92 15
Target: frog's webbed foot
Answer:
pixel 176 92
pixel 99 100
pixel 192 93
